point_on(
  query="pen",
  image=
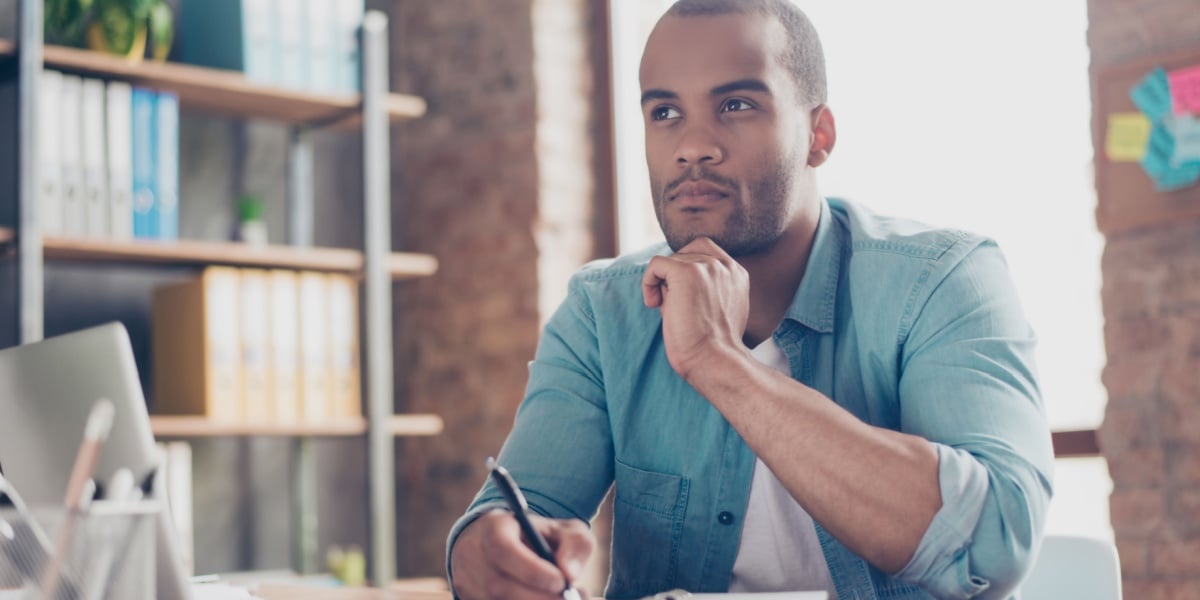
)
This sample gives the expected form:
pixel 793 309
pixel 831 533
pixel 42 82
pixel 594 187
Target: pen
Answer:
pixel 520 509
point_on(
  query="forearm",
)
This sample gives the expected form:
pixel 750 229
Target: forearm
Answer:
pixel 874 489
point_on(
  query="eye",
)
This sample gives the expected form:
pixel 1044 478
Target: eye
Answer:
pixel 735 105
pixel 663 112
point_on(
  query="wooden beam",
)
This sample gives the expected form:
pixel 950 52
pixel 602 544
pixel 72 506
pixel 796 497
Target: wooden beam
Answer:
pixel 1074 444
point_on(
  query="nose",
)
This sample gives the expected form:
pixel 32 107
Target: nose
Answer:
pixel 698 146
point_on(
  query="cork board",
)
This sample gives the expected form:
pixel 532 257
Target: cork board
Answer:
pixel 1126 196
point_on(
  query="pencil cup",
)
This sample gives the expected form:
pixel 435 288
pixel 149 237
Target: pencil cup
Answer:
pixel 110 553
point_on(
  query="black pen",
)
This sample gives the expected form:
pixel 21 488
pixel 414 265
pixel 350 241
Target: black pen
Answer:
pixel 520 509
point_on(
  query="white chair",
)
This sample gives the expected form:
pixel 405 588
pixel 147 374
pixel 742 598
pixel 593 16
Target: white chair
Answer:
pixel 1072 566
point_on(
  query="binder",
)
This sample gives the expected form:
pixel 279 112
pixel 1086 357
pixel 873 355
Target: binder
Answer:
pixel 196 345
pixel 322 45
pixel 313 331
pixel 71 155
pixel 144 138
pixel 256 402
pixel 166 172
pixel 119 159
pixel 349 20
pixel 50 140
pixel 177 475
pixel 343 346
pixel 95 181
pixel 230 34
pixel 284 345
pixel 291 45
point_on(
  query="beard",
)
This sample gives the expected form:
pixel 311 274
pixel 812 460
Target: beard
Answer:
pixel 760 213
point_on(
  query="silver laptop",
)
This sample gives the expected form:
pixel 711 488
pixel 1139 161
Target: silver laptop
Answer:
pixel 46 391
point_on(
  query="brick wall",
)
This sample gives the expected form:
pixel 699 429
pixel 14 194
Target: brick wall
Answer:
pixel 1151 297
pixel 497 182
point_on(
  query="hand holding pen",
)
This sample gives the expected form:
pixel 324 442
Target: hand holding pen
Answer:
pixel 514 554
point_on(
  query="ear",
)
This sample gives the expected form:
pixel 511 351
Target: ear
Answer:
pixel 823 136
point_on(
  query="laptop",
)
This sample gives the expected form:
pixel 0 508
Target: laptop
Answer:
pixel 46 392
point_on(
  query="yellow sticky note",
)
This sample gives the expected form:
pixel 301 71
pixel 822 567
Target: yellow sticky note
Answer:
pixel 1127 136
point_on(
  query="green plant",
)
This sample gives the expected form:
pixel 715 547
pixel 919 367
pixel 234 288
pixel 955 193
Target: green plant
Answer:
pixel 113 25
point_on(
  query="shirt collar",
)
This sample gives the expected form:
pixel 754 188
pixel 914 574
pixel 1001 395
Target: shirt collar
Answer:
pixel 814 303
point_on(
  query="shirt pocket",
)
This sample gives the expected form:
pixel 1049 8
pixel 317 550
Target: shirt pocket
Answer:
pixel 648 513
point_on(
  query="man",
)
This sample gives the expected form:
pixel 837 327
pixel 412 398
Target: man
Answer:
pixel 798 394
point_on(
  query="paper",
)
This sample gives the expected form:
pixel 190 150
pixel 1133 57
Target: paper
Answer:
pixel 1152 95
pixel 1128 134
pixel 1185 90
pixel 764 596
pixel 1186 131
pixel 219 591
pixel 1157 163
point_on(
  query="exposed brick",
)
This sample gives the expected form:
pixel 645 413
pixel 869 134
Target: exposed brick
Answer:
pixel 1134 554
pixel 1131 378
pixel 1128 424
pixel 1183 465
pixel 1137 512
pixel 1176 558
pixel 1139 467
pixel 1151 296
pixel 1147 337
pixel 1180 413
pixel 1150 589
pixel 1183 514
pixel 492 186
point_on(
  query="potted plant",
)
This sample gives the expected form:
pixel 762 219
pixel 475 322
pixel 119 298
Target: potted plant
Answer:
pixel 118 27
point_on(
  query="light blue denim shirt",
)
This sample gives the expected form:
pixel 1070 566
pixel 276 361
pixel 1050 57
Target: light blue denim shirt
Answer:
pixel 907 327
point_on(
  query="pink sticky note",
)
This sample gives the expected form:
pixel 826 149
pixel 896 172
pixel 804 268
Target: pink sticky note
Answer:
pixel 1185 90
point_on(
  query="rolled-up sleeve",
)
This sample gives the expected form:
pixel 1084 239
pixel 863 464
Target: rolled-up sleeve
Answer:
pixel 968 384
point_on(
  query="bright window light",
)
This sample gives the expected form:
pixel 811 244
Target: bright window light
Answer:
pixel 966 115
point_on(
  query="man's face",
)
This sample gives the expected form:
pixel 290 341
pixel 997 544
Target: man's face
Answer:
pixel 725 132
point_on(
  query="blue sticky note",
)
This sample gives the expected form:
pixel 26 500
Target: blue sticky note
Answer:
pixel 1159 149
pixel 1152 95
pixel 1178 178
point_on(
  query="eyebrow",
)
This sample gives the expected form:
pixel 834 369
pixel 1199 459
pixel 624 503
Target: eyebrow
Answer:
pixel 741 85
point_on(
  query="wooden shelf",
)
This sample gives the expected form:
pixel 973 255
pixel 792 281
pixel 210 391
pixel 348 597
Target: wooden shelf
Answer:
pixel 221 91
pixel 402 265
pixel 171 426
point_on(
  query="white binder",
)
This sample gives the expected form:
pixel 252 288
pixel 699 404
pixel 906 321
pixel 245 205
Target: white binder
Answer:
pixel 49 140
pixel 95 179
pixel 118 133
pixel 71 155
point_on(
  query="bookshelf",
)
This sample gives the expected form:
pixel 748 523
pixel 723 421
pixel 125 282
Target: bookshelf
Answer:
pixel 230 94
pixel 171 426
pixel 188 253
pixel 224 92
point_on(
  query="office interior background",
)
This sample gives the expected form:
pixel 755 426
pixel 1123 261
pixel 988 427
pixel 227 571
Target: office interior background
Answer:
pixel 528 163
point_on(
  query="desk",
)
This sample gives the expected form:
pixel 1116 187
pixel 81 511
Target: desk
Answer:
pixel 290 592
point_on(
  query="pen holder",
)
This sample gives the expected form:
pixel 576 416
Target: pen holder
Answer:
pixel 104 552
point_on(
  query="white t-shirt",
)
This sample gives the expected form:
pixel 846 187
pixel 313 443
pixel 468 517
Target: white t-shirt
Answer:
pixel 779 551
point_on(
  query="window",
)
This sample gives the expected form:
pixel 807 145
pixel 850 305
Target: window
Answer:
pixel 963 115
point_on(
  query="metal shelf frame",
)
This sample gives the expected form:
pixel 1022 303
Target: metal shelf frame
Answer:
pixel 377 324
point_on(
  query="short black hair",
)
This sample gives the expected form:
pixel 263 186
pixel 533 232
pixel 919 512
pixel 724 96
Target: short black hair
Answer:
pixel 804 57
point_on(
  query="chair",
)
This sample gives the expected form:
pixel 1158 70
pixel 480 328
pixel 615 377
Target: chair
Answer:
pixel 1072 566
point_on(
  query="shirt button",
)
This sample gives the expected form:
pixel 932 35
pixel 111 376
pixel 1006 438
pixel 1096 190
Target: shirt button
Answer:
pixel 725 518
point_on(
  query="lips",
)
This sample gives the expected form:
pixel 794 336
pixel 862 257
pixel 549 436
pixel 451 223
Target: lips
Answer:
pixel 696 194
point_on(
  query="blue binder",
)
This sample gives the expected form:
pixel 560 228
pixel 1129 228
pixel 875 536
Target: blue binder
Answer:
pixel 145 154
pixel 166 173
